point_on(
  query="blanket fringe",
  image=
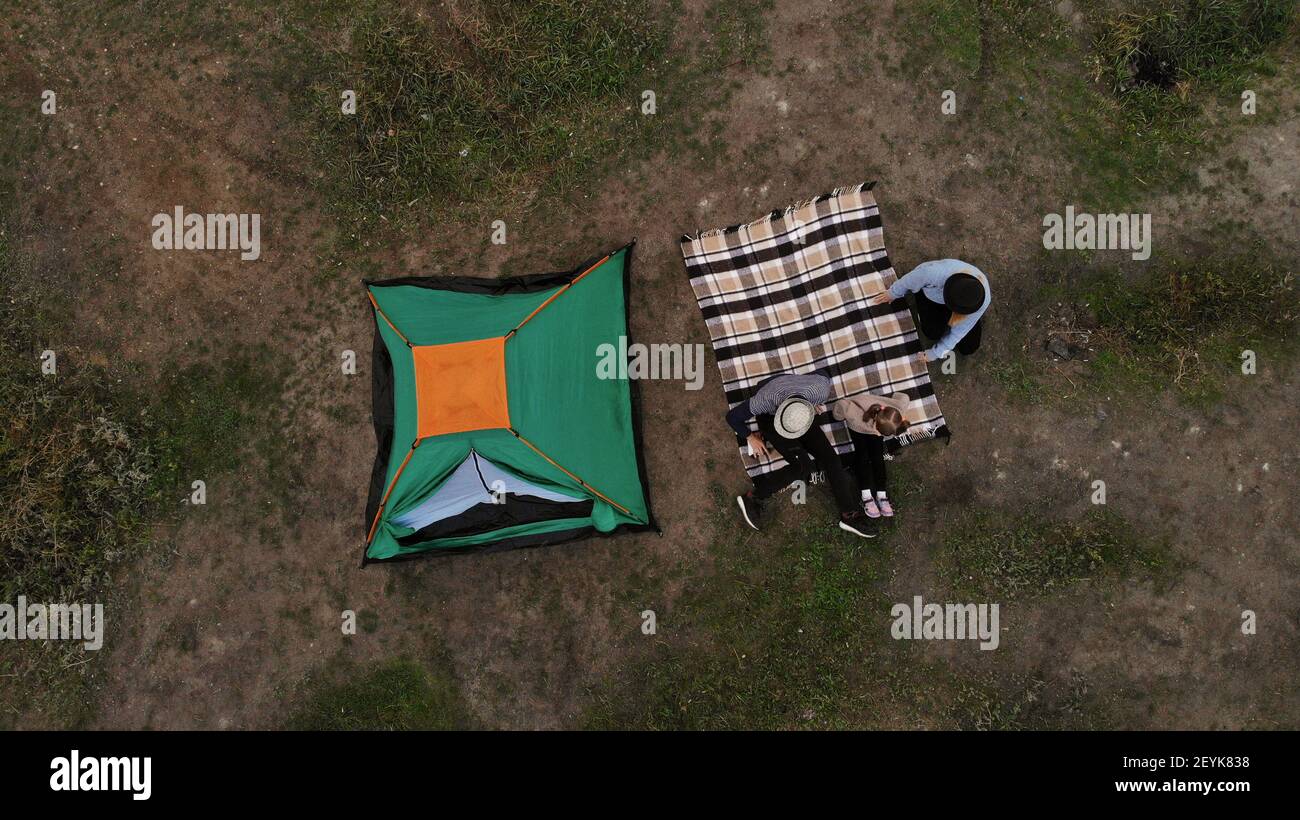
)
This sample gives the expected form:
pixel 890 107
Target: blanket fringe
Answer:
pixel 779 213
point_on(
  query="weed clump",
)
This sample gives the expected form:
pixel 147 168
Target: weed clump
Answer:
pixel 1152 58
pixel 78 477
pixel 1171 43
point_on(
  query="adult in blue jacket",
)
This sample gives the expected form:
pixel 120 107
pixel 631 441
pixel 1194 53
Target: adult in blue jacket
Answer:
pixel 950 297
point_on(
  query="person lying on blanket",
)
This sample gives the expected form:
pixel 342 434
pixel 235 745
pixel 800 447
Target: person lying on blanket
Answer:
pixel 951 297
pixel 872 419
pixel 785 407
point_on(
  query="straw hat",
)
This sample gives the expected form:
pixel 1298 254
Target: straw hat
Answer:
pixel 793 417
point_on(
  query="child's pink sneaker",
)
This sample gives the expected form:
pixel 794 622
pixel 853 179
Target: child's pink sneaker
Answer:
pixel 870 508
pixel 886 509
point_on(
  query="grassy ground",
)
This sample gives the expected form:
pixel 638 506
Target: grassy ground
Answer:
pixel 490 102
pixel 526 111
pixel 1125 132
pixel 798 637
pixel 88 474
pixel 396 695
pixel 95 460
pixel 491 109
pixel 1009 556
pixel 773 649
pixel 1182 327
pixel 1187 326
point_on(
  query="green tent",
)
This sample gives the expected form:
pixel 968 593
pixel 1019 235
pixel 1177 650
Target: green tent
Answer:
pixel 494 428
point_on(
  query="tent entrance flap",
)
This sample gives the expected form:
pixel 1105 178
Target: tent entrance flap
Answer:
pixel 478 482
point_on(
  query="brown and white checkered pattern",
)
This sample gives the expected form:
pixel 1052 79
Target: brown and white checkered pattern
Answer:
pixel 789 293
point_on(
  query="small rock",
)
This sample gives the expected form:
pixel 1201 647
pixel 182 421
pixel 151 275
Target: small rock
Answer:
pixel 1059 348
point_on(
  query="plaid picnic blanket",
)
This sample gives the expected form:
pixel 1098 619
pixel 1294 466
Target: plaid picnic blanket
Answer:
pixel 789 293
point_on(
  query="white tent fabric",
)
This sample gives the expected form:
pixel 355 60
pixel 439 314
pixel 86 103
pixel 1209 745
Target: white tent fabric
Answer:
pixel 472 483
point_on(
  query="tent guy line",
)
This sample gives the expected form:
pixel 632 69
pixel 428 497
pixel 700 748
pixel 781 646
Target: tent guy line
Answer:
pixel 550 299
pixel 560 467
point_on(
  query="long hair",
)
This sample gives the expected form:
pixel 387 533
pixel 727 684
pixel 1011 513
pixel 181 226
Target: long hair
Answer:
pixel 888 421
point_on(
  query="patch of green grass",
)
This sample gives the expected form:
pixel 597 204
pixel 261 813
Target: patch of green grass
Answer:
pixel 85 472
pixel 1187 325
pixel 777 639
pixel 1181 325
pixel 1157 63
pixel 394 695
pixel 956 42
pixel 79 473
pixel 205 413
pixel 1021 72
pixel 480 101
pixel 1016 377
pixel 78 485
pixel 1117 160
pixel 77 493
pixel 792 630
pixel 955 27
pixel 488 110
pixel 960 40
pixel 981 702
pixel 90 459
pixel 737 33
pixel 1170 45
pixel 987 556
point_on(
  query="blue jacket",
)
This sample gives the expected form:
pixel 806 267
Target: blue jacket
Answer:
pixel 928 278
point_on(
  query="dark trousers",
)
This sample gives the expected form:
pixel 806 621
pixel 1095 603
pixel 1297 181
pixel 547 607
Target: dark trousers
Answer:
pixel 869 461
pixel 934 324
pixel 799 455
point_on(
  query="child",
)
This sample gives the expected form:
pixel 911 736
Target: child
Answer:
pixel 872 418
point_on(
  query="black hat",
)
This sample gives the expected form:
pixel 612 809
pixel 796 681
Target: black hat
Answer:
pixel 963 293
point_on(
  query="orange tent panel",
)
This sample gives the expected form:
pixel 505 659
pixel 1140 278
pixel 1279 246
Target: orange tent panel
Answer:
pixel 461 386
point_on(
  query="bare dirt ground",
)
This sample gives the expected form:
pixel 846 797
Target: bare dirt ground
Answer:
pixel 230 618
